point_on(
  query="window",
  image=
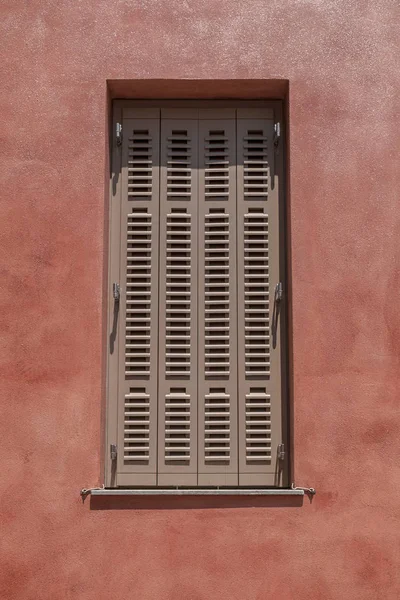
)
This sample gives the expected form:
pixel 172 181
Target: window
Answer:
pixel 196 361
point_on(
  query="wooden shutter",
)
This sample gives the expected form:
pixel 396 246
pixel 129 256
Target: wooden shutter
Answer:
pixel 217 342
pixel 138 306
pixel 195 367
pixel 259 364
pixel 177 420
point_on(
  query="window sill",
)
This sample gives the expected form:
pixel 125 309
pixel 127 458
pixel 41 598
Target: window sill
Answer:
pixel 192 492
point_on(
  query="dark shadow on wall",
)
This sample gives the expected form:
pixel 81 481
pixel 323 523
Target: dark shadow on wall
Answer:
pixel 245 89
pixel 192 502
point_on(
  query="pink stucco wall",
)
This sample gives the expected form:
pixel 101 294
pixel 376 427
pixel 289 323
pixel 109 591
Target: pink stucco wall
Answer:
pixel 342 62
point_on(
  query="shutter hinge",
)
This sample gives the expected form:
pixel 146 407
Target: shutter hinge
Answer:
pixel 277 134
pixel 118 134
pixel 113 451
pixel 116 291
pixel 281 451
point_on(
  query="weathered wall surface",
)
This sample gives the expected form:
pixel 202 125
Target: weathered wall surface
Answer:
pixel 342 62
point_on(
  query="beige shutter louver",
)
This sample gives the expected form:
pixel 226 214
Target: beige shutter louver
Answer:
pixel 258 271
pixel 217 400
pixel 177 421
pixel 138 307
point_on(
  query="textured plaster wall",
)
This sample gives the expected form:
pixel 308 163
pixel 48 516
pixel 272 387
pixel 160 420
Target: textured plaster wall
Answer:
pixel 342 61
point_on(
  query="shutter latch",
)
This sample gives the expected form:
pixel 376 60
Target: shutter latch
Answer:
pixel 118 133
pixel 116 292
pixel 281 451
pixel 278 292
pixel 113 451
pixel 277 134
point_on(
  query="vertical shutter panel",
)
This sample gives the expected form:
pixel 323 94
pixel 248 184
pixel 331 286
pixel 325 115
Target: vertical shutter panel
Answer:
pixel 177 420
pixel 138 310
pixel 258 273
pixel 217 397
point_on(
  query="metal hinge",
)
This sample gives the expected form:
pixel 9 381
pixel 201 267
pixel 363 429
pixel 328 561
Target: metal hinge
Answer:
pixel 116 291
pixel 277 134
pixel 118 133
pixel 281 451
pixel 113 451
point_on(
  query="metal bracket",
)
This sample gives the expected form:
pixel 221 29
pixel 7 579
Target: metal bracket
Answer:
pixel 113 451
pixel 308 490
pixel 118 134
pixel 87 491
pixel 116 291
pixel 277 134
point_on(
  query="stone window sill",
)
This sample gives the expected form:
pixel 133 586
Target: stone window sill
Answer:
pixel 193 492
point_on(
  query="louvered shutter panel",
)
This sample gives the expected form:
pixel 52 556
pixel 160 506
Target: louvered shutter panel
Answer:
pixel 259 364
pixel 217 342
pixel 138 306
pixel 198 386
pixel 177 419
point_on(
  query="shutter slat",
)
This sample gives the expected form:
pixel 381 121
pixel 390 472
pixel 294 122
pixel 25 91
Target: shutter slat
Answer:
pixel 177 435
pixel 138 306
pixel 217 354
pixel 258 272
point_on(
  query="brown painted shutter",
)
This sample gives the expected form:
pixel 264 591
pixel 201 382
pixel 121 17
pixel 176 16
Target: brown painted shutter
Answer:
pixel 177 419
pixel 217 343
pixel 138 306
pixel 259 365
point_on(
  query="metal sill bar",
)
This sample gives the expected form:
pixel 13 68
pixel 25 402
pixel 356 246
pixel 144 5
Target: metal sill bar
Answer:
pixel 194 492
